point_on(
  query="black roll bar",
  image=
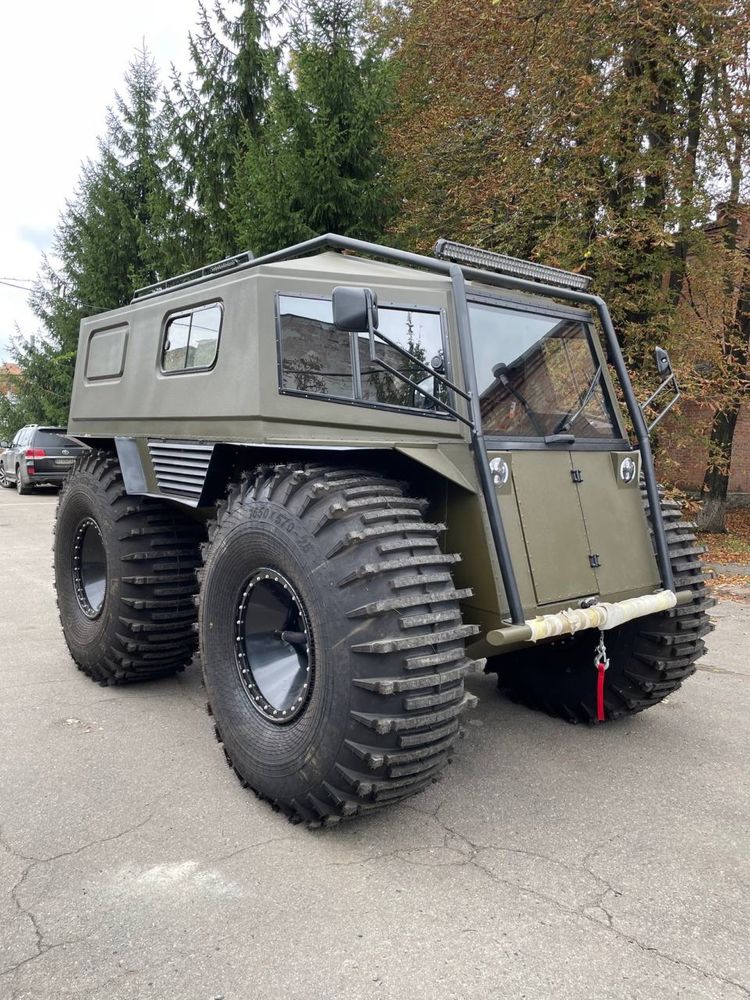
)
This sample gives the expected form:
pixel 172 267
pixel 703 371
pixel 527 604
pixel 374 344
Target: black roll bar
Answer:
pixel 458 275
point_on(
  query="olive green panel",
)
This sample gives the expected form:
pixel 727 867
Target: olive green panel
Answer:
pixel 468 533
pixel 238 400
pixel 553 527
pixel 616 526
pixel 508 505
pixel 448 461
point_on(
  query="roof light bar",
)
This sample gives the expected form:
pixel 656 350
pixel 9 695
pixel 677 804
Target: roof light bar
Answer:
pixel 200 272
pixel 487 260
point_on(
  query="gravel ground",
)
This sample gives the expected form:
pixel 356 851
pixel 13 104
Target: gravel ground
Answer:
pixel 551 862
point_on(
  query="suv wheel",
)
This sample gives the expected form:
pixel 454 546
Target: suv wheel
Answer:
pixel 331 641
pixel 5 483
pixel 22 489
pixel 124 575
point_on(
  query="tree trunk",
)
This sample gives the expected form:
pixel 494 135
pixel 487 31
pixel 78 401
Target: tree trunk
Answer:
pixel 716 480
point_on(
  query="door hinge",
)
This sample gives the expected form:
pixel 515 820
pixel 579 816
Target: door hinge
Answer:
pixel 594 560
pixel 576 475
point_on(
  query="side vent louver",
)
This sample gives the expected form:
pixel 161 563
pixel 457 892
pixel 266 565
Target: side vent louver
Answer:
pixel 180 467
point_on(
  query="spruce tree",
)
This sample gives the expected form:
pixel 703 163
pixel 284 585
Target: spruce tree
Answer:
pixel 318 165
pixel 221 101
pixel 123 227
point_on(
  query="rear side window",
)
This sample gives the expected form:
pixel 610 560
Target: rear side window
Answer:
pixel 191 339
pixel 51 439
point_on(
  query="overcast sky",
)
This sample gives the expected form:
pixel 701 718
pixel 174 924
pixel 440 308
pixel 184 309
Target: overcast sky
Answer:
pixel 60 64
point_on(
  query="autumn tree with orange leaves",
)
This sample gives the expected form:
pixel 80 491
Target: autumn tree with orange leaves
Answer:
pixel 609 137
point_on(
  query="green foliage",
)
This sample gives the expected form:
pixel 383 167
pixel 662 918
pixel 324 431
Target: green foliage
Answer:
pixel 223 99
pixel 318 165
pixel 122 228
pixel 600 136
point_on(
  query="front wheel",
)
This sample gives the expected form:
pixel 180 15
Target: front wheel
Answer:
pixel 649 657
pixel 5 483
pixel 331 641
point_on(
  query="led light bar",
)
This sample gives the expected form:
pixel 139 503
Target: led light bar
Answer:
pixel 487 260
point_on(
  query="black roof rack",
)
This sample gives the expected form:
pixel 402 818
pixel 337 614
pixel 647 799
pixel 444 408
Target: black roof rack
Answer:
pixel 200 272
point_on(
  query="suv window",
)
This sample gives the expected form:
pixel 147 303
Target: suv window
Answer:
pixel 318 360
pixel 53 439
pixel 191 339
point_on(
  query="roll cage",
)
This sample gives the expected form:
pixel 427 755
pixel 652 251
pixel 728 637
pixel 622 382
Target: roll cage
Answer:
pixel 458 275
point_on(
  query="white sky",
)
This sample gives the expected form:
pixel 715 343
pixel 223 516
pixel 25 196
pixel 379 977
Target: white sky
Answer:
pixel 60 64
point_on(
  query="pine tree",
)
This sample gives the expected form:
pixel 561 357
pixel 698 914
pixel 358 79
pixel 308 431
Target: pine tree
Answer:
pixel 221 101
pixel 122 228
pixel 318 163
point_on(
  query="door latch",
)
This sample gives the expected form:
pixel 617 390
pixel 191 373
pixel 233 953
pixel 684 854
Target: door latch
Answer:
pixel 594 560
pixel 576 475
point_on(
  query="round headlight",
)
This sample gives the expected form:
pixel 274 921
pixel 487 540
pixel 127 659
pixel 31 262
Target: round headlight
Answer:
pixel 500 471
pixel 628 469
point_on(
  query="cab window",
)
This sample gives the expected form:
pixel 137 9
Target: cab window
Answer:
pixel 318 360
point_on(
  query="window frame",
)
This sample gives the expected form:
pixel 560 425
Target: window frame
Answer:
pixel 540 307
pixel 189 311
pixel 355 400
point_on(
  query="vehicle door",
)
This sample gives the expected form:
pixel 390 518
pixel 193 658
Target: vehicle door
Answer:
pixel 7 458
pixel 14 456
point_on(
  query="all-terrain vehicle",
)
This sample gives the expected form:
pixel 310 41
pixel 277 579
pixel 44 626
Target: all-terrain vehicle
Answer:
pixel 360 474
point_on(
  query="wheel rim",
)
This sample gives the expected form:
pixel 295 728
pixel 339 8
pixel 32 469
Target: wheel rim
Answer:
pixel 3 477
pixel 273 647
pixel 89 568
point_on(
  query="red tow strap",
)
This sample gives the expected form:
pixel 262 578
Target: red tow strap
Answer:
pixel 601 662
pixel 600 671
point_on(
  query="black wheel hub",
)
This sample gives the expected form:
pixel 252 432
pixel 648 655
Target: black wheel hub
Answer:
pixel 89 568
pixel 273 647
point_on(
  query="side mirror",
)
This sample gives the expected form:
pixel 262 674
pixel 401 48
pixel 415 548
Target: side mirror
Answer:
pixel 355 309
pixel 663 364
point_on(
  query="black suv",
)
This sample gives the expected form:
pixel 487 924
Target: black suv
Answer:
pixel 38 455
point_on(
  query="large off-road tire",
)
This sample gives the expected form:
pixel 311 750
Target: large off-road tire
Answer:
pixel 124 575
pixel 333 579
pixel 649 657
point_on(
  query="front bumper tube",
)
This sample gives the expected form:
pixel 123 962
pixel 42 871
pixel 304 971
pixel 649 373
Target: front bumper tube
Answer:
pixel 600 616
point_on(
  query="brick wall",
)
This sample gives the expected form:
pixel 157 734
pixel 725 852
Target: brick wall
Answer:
pixel 683 450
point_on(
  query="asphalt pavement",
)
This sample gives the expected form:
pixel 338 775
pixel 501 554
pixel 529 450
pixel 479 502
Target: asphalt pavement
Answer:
pixel 552 861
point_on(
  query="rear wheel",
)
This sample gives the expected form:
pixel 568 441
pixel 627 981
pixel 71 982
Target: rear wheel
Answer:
pixel 22 489
pixel 331 641
pixel 125 576
pixel 649 657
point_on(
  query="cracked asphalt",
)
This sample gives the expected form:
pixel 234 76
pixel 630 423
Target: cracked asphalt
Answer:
pixel 551 862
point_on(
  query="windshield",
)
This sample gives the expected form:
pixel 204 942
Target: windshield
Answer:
pixel 537 375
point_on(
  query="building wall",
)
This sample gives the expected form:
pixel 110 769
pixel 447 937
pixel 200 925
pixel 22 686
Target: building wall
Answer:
pixel 683 451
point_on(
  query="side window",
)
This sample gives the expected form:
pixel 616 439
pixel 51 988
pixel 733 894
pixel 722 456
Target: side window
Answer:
pixel 191 339
pixel 315 357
